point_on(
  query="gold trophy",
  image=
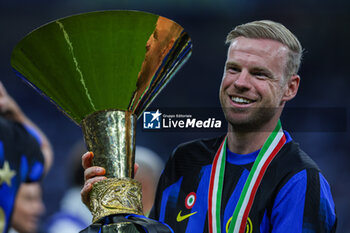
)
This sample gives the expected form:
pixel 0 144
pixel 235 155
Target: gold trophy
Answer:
pixel 103 69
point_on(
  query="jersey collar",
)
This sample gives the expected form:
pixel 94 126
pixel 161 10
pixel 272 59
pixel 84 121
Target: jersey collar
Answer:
pixel 242 159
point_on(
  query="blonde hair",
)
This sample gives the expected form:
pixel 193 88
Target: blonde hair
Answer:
pixel 267 29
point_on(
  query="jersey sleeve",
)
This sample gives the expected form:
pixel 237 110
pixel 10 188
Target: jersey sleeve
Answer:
pixel 32 158
pixel 163 182
pixel 154 213
pixel 304 204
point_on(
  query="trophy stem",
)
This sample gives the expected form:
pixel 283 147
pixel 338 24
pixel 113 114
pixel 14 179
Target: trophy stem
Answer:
pixel 110 135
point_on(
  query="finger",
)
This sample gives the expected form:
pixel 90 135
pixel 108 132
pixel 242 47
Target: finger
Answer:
pixel 96 179
pixel 88 187
pixel 84 193
pixel 93 172
pixel 86 160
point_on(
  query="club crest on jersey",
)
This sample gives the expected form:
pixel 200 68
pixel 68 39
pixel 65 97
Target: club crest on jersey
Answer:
pixel 248 227
pixel 190 200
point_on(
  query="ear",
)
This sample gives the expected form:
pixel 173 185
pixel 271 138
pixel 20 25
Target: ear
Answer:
pixel 291 88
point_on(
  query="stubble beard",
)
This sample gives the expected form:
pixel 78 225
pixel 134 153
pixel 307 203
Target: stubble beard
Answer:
pixel 251 120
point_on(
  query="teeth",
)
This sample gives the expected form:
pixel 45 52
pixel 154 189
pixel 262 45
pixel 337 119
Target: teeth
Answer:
pixel 240 100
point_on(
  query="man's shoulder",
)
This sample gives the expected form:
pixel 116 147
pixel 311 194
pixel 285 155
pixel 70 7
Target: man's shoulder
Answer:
pixel 196 152
pixel 294 158
pixel 8 127
pixel 18 144
pixel 202 145
pixel 290 160
pixel 14 131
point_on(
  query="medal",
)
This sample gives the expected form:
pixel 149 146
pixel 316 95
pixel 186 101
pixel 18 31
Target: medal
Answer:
pixel 269 150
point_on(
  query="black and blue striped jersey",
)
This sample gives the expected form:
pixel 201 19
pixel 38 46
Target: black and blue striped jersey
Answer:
pixel 293 195
pixel 21 160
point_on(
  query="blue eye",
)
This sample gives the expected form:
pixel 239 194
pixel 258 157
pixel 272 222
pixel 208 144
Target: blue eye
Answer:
pixel 260 75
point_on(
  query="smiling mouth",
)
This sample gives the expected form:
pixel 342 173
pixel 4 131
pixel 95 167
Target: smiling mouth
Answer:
pixel 241 100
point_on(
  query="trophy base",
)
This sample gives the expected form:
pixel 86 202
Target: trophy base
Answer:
pixel 115 196
pixel 128 224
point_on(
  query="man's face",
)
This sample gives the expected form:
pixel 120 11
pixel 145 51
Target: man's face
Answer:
pixel 28 208
pixel 252 88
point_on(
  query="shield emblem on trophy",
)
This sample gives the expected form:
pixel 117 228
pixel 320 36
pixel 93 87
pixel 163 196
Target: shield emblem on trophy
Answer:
pixel 103 69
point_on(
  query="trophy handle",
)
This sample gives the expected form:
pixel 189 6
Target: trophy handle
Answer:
pixel 110 135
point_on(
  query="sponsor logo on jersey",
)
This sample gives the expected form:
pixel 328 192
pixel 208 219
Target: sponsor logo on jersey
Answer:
pixel 189 203
pixel 180 217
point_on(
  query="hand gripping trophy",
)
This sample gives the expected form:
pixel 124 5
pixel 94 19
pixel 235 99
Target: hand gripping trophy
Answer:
pixel 103 69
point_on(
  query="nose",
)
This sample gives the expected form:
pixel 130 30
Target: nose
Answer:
pixel 242 81
pixel 39 207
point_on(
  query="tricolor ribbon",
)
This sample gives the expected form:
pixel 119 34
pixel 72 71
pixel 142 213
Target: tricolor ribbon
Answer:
pixel 269 150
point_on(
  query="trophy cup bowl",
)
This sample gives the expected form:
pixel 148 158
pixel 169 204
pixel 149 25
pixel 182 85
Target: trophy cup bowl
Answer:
pixel 103 69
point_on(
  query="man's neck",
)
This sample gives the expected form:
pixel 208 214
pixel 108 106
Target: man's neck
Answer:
pixel 248 142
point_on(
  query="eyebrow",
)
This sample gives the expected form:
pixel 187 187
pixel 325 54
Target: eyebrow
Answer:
pixel 267 72
pixel 231 63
